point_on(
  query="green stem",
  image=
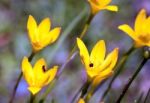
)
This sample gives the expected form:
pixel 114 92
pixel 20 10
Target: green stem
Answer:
pixel 131 80
pixel 32 98
pixel 82 34
pixel 78 92
pixel 118 69
pixel 83 90
pixel 139 100
pixel 147 96
pixel 17 83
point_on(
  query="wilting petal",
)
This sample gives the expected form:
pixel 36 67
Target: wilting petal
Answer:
pixel 127 29
pixel 98 53
pixel 140 21
pixel 34 90
pixel 28 71
pixel 112 8
pixel 44 27
pixel 83 53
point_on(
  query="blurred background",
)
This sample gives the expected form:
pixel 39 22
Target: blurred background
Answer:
pixel 71 15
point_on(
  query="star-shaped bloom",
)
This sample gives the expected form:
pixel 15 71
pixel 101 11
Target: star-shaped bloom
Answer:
pixel 41 35
pixel 97 66
pixel 98 5
pixel 37 76
pixel 141 32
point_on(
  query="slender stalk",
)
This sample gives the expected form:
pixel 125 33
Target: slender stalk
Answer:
pixel 15 88
pixel 78 92
pixel 83 90
pixel 17 83
pixel 139 100
pixel 131 80
pixel 82 34
pixel 118 69
pixel 148 93
pixel 32 98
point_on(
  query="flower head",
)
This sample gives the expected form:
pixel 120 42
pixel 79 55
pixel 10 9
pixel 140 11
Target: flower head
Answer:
pixel 141 32
pixel 81 101
pixel 97 5
pixel 40 35
pixel 97 66
pixel 37 76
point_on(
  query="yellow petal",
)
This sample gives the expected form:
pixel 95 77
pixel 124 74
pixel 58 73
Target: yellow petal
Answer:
pixel 28 71
pixel 112 8
pixel 95 8
pixel 140 21
pixel 44 27
pixel 147 25
pixel 38 69
pixel 103 2
pixel 54 34
pixel 98 79
pixel 83 53
pixel 81 101
pixel 98 53
pixel 92 72
pixel 32 27
pixel 34 90
pixel 127 29
pixel 113 56
pixel 51 73
pixel 51 36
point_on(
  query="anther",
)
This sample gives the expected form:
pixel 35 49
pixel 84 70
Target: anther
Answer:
pixel 43 68
pixel 91 65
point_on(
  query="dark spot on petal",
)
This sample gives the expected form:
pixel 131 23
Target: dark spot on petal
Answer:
pixel 91 65
pixel 43 68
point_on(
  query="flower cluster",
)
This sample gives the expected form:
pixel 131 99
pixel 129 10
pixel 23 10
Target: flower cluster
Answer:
pixel 98 64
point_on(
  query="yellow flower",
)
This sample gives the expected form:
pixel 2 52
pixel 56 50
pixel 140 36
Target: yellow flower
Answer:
pixel 141 32
pixel 40 35
pixel 37 76
pixel 97 66
pixel 81 101
pixel 97 5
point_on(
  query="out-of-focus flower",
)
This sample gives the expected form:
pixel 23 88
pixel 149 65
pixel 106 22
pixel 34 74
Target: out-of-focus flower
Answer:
pixel 141 32
pixel 97 5
pixel 40 35
pixel 97 66
pixel 37 76
pixel 81 101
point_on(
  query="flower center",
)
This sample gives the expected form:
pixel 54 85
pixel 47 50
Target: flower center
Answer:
pixel 145 37
pixel 44 68
pixel 91 65
pixel 37 44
